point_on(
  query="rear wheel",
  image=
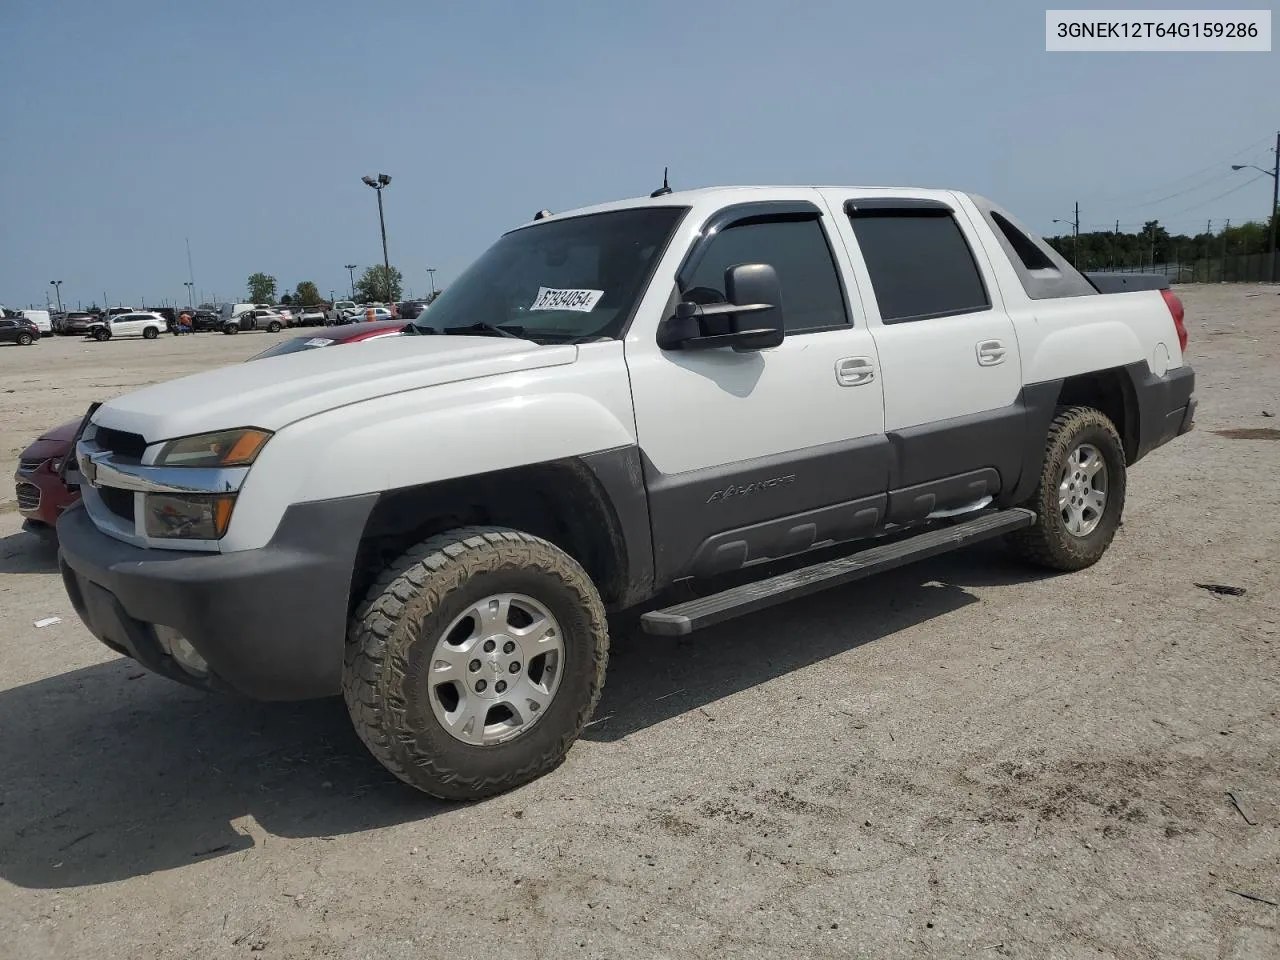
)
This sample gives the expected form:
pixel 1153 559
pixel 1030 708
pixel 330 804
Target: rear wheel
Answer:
pixel 273 326
pixel 475 662
pixel 25 339
pixel 1080 496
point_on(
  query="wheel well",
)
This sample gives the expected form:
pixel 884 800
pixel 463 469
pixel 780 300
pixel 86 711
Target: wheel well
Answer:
pixel 1110 392
pixel 560 501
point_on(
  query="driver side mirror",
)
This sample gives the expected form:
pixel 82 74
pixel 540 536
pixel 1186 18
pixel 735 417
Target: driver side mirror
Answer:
pixel 751 319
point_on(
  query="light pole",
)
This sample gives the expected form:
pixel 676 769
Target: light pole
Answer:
pixel 1275 202
pixel 191 293
pixel 432 271
pixel 57 288
pixel 352 277
pixel 379 185
pixel 1075 236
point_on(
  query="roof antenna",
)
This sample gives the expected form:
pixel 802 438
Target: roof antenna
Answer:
pixel 664 189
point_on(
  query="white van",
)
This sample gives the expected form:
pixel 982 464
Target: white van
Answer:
pixel 42 320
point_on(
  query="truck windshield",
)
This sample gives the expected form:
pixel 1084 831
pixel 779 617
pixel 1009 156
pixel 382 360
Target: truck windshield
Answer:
pixel 564 280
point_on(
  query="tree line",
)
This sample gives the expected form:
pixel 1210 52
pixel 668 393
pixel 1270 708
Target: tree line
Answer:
pixel 376 285
pixel 1154 244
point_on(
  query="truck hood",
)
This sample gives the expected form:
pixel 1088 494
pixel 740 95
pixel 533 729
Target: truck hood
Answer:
pixel 275 391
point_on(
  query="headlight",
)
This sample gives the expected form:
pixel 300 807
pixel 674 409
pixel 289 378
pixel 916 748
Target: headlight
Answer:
pixel 197 516
pixel 226 448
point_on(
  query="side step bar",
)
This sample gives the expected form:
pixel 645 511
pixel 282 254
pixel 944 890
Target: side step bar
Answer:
pixel 684 618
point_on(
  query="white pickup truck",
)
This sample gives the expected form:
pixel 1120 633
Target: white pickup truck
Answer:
pixel 611 402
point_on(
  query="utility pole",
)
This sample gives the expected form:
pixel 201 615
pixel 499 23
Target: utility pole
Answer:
pixel 1075 236
pixel 1275 209
pixel 57 286
pixel 1075 241
pixel 432 271
pixel 191 276
pixel 379 184
pixel 351 275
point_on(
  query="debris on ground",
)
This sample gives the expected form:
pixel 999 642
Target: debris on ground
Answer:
pixel 1223 589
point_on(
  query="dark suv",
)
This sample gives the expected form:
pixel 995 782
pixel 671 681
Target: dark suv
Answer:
pixel 18 330
pixel 411 309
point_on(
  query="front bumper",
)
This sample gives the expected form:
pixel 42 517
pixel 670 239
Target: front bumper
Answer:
pixel 271 623
pixel 42 496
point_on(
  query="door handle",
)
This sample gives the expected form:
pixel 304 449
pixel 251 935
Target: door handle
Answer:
pixel 991 352
pixel 855 371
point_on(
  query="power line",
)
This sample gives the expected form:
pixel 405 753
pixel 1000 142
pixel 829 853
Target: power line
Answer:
pixel 1240 186
pixel 1189 176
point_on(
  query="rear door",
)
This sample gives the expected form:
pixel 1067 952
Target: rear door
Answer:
pixel 952 377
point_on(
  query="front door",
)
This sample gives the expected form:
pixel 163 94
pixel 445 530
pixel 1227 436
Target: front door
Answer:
pixel 755 455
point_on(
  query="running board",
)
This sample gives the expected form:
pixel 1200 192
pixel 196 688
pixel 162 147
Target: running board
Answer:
pixel 684 618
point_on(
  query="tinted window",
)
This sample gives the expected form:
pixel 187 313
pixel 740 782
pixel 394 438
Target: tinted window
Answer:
pixel 920 264
pixel 797 250
pixel 7 323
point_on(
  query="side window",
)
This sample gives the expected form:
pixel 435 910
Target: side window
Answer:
pixel 812 298
pixel 7 323
pixel 921 266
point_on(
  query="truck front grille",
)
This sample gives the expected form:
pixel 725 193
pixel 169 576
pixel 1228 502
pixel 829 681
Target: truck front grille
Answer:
pixel 28 496
pixel 128 445
pixel 119 502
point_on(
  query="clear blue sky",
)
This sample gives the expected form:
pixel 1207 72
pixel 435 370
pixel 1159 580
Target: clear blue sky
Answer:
pixel 246 127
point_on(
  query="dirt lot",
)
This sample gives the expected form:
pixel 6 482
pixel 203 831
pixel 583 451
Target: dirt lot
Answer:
pixel 961 759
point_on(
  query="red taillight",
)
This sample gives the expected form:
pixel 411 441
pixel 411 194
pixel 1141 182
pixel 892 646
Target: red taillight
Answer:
pixel 1175 308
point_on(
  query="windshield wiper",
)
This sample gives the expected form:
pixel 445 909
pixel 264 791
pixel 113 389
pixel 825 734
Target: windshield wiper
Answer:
pixel 483 327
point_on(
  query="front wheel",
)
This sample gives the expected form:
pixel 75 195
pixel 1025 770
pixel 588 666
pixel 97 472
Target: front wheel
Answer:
pixel 231 328
pixel 1080 496
pixel 475 661
pixel 150 333
pixel 101 335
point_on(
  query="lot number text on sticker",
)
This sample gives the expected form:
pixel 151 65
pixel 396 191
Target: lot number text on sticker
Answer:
pixel 583 301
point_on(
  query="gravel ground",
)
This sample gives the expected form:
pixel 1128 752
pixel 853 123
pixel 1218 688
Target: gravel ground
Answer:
pixel 960 759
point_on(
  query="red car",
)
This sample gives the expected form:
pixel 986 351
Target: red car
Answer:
pixel 43 493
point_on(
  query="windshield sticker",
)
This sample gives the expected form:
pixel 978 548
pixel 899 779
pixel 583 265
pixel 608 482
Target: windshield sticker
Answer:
pixel 583 301
pixel 318 342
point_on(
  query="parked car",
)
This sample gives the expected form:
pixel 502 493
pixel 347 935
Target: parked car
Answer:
pixel 43 320
pixel 344 311
pixel 379 312
pixel 257 319
pixel 715 381
pixel 18 330
pixel 350 333
pixel 285 312
pixel 312 316
pixel 43 490
pixel 75 323
pixel 411 309
pixel 145 324
pixel 203 320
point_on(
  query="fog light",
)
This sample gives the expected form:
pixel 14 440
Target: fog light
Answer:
pixel 179 647
pixel 188 516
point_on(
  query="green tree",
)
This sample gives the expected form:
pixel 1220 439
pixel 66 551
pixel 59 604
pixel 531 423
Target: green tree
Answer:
pixel 262 288
pixel 377 285
pixel 308 294
pixel 286 300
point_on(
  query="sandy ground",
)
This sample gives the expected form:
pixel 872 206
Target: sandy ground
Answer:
pixel 961 759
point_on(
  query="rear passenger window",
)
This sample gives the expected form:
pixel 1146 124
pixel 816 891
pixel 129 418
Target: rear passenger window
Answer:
pixel 812 298
pixel 920 264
